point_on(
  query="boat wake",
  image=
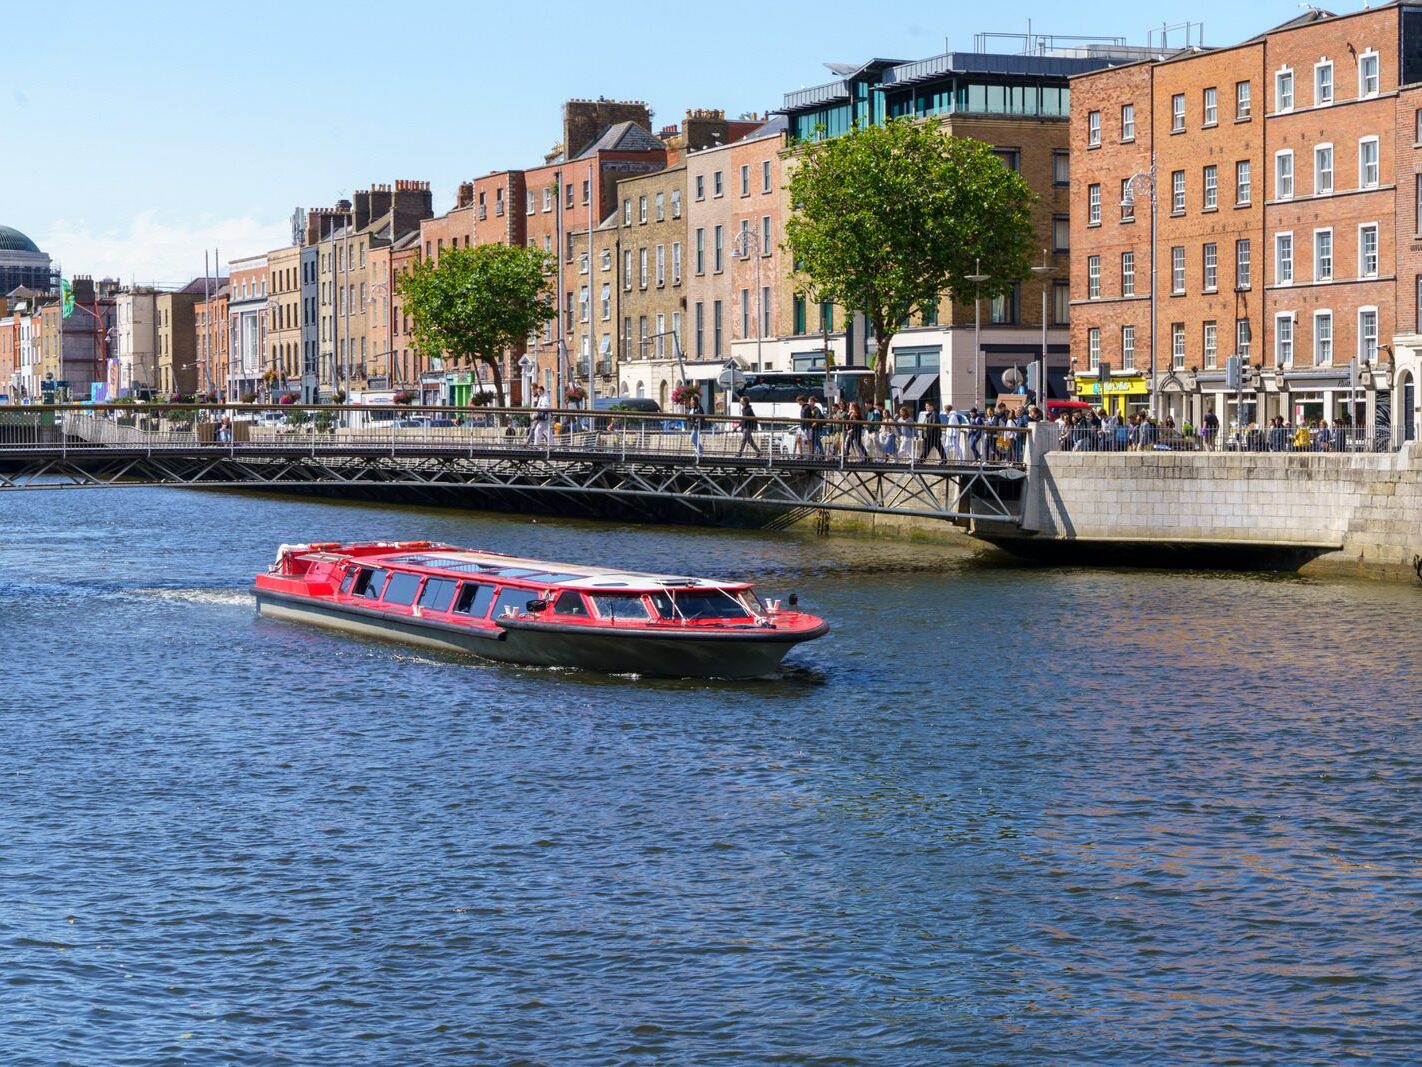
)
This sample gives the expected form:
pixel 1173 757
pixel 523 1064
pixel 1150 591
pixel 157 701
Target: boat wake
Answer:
pixel 224 598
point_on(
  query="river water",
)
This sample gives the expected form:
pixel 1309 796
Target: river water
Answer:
pixel 999 815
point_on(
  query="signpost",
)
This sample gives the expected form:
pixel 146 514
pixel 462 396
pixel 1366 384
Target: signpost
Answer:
pixel 733 380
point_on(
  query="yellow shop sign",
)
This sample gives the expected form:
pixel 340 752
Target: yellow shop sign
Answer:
pixel 1132 386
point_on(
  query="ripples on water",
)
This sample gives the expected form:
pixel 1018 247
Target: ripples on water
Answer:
pixel 1000 815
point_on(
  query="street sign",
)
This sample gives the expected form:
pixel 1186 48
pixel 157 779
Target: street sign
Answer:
pixel 732 377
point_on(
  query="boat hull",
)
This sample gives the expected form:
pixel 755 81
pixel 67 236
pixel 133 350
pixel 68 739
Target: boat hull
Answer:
pixel 752 654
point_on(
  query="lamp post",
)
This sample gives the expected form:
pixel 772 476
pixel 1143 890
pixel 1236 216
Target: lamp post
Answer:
pixel 745 241
pixel 1128 200
pixel 376 289
pixel 1041 272
pixel 977 369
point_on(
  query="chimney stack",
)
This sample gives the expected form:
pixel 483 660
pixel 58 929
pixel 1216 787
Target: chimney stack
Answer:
pixel 362 209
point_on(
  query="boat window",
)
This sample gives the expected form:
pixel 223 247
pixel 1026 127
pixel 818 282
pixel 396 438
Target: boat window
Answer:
pixel 569 603
pixel 517 599
pixel 620 607
pixel 402 588
pixel 474 599
pixel 349 579
pixel 369 582
pixel 551 577
pixel 438 594
pixel 711 604
pixel 663 604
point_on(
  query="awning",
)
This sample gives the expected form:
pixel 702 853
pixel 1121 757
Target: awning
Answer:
pixel 917 385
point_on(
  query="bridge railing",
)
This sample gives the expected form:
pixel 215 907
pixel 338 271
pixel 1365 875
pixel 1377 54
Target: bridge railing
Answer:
pixel 568 433
pixel 1340 437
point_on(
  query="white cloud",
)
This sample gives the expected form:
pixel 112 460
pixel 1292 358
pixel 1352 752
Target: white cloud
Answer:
pixel 150 249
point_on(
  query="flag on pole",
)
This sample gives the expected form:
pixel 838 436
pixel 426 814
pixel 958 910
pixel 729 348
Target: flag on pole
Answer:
pixel 66 292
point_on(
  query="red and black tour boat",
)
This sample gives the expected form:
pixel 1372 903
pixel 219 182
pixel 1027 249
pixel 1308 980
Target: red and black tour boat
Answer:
pixel 533 612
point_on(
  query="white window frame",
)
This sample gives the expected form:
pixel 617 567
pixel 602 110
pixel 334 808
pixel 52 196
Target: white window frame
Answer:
pixel 1363 270
pixel 1243 102
pixel 1093 347
pixel 1319 69
pixel 1210 267
pixel 1320 186
pixel 1284 267
pixel 1177 346
pixel 1128 346
pixel 1128 277
pixel 1322 313
pixel 605 298
pixel 1363 180
pixel 1282 77
pixel 1243 190
pixel 1363 91
pixel 1093 204
pixel 1323 265
pixel 1177 113
pixel 676 262
pixel 1210 342
pixel 1284 339
pixel 1211 180
pixel 1364 355
pixel 1210 107
pixel 1279 157
pixel 1093 129
pixel 1177 270
pixel 1093 277
pixel 1177 192
pixel 1246 245
pixel 1243 337
pixel 1128 122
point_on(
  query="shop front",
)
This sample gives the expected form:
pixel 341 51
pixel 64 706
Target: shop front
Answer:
pixel 1120 394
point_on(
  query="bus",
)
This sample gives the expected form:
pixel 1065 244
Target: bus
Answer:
pixel 773 393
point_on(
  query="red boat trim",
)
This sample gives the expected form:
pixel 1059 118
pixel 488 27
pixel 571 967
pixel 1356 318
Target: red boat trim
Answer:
pixel 751 633
pixel 309 602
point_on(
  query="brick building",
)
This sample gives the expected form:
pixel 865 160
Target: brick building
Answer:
pixel 211 349
pixel 1276 205
pixel 247 327
pixel 284 319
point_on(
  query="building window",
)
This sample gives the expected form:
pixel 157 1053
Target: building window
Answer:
pixel 641 268
pixel 1003 309
pixel 1242 338
pixel 745 307
pixel 661 265
pixel 1419 302
pixel 1061 168
pixel 1093 277
pixel 1368 250
pixel 1177 269
pixel 1211 267
pixel 627 211
pixel 606 259
pixel 1322 337
pixel 1128 202
pixel 798 327
pixel 1061 233
pixel 1284 174
pixel 1128 274
pixel 1284 339
pixel 1417 227
pixel 627 269
pixel 700 329
pixel 765 311
pixel 1212 187
pixel 1211 115
pixel 661 207
pixel 717 248
pixel 1128 347
pixel 1093 347
pixel 584 304
pixel 1210 340
pixel 1283 259
pixel 1284 90
pixel 676 262
pixel 1177 113
pixel 1243 189
pixel 765 175
pixel 700 250
pixel 1368 74
pixel 1177 192
pixel 1093 129
pixel 767 244
pixel 1177 346
pixel 530 201
pixel 661 335
pixel 583 263
pixel 548 199
pixel 1323 169
pixel 1368 163
pixel 643 333
pixel 700 187
pixel 1061 304
pixel 1368 335
pixel 1241 101
pixel 605 305
pixel 676 203
pixel 1323 255
pixel 1093 205
pixel 1011 158
pixel 641 209
pixel 717 188
pixel 745 179
pixel 1241 264
pixel 716 328
pixel 1323 84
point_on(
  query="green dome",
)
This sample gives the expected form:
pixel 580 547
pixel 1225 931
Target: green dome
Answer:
pixel 12 240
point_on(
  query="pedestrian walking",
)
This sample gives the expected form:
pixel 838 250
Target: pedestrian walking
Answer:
pixel 695 416
pixel 747 427
pixel 541 419
pixel 957 432
pixel 932 433
pixel 854 436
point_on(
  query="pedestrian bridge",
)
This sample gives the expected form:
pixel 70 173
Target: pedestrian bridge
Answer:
pixel 651 464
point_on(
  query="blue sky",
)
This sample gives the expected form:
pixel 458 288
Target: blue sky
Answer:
pixel 138 134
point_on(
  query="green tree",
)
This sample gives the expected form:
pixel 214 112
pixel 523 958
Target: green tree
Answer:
pixel 887 218
pixel 476 302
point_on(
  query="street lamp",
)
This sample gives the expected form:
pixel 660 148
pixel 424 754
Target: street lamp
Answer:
pixel 745 241
pixel 1041 272
pixel 977 369
pixel 376 290
pixel 1128 200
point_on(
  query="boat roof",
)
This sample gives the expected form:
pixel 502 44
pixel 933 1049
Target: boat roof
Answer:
pixel 466 563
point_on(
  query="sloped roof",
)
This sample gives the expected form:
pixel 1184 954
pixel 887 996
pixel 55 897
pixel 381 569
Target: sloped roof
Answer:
pixel 1308 18
pixel 622 137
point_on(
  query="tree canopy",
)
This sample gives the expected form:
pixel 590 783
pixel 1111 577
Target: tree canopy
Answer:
pixel 888 218
pixel 475 302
